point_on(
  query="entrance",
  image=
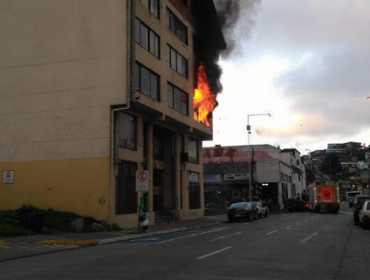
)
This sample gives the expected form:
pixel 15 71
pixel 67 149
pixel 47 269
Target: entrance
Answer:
pixel 157 190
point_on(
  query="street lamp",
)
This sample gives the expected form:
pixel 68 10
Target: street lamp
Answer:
pixel 250 159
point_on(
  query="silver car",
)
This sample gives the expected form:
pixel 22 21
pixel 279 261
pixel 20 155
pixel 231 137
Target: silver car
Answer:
pixel 262 210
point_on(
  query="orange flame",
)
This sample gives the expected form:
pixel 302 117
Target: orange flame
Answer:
pixel 204 99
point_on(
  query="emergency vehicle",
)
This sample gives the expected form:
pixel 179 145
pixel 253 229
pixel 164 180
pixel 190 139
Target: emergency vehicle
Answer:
pixel 324 198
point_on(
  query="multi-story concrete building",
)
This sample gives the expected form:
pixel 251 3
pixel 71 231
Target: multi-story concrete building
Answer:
pixel 92 91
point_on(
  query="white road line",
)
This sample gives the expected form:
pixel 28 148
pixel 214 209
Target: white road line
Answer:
pixel 298 223
pixel 289 226
pixel 348 213
pixel 271 232
pixel 214 253
pixel 305 240
pixel 196 234
pixel 222 237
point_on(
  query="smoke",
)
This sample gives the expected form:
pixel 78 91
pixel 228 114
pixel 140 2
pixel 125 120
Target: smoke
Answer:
pixel 210 41
pixel 229 14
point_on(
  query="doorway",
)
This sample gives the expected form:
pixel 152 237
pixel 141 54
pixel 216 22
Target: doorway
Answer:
pixel 157 190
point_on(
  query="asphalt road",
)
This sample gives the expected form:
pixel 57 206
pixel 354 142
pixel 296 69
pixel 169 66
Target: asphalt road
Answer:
pixel 285 246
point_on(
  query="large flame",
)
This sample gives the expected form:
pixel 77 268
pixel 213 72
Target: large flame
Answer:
pixel 204 99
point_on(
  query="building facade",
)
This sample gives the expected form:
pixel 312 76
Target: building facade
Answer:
pixel 277 174
pixel 93 91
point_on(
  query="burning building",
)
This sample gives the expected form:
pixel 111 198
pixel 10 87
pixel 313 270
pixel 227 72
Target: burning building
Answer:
pixel 122 86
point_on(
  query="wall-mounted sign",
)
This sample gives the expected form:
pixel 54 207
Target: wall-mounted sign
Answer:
pixel 193 177
pixel 236 176
pixel 8 177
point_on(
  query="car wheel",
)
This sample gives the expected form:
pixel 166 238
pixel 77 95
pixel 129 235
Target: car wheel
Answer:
pixel 363 225
pixel 260 215
pixel 231 220
pixel 356 222
pixel 250 217
pixel 266 214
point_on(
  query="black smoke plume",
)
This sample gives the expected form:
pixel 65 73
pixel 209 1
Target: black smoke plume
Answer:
pixel 230 13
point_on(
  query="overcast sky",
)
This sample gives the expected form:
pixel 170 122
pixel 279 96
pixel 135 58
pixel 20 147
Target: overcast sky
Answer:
pixel 305 62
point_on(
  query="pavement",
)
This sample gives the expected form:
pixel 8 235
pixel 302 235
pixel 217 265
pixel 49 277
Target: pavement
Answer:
pixel 26 246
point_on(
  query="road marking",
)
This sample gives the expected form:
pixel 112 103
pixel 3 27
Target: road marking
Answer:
pixel 222 237
pixel 196 234
pixel 305 240
pixel 214 253
pixel 289 226
pixel 348 213
pixel 271 232
pixel 298 223
pixel 307 220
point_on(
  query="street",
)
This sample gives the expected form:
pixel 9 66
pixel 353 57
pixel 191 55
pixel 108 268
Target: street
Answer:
pixel 296 245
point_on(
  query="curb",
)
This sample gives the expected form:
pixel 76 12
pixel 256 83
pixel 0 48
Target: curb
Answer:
pixel 82 243
pixel 151 234
pixel 3 241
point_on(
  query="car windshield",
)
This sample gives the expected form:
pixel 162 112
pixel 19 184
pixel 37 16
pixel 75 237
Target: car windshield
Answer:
pixel 240 205
pixel 362 199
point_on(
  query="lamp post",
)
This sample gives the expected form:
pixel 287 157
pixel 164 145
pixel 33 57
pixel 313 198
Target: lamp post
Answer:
pixel 251 150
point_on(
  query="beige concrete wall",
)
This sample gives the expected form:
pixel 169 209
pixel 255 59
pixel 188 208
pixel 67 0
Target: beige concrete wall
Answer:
pixel 62 63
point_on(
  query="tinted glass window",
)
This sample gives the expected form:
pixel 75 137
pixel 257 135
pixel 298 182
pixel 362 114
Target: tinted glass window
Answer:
pixel 147 82
pixel 368 206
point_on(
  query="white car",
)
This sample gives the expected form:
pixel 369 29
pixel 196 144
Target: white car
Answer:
pixel 364 215
pixel 262 210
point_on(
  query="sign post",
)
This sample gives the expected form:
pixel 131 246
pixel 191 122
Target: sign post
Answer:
pixel 142 186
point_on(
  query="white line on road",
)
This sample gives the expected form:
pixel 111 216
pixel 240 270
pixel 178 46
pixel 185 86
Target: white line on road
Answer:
pixel 214 253
pixel 348 213
pixel 289 226
pixel 222 237
pixel 196 234
pixel 271 232
pixel 305 240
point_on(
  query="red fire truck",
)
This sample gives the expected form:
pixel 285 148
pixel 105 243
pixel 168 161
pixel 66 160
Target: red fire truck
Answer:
pixel 324 198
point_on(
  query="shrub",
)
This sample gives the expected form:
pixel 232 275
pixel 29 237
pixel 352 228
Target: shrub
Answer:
pixel 58 220
pixel 30 217
pixel 7 230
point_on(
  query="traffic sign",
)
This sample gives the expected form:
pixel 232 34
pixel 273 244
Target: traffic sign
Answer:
pixel 142 181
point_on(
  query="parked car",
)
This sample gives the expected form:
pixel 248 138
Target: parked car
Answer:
pixel 242 210
pixel 262 210
pixel 364 215
pixel 359 202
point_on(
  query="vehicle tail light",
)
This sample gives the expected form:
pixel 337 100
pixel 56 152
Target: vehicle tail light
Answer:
pixel 315 200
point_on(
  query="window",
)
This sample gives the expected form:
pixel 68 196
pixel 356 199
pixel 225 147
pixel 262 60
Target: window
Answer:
pixel 175 25
pixel 146 38
pixel 177 99
pixel 152 6
pixel 194 190
pixel 126 198
pixel 184 2
pixel 146 81
pixel 193 150
pixel 126 130
pixel 177 62
pixel 158 147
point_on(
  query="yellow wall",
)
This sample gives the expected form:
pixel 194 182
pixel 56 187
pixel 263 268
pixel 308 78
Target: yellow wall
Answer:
pixel 80 186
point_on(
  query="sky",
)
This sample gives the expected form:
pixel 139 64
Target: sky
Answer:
pixel 307 63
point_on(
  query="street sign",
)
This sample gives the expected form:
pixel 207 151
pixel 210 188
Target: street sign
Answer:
pixel 142 181
pixel 8 177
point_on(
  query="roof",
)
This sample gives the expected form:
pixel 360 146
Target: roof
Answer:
pixel 229 154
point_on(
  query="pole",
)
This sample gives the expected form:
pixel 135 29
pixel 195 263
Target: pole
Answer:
pixel 251 151
pixel 250 162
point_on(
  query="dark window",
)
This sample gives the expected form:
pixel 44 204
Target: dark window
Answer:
pixel 147 81
pixel 126 198
pixel 152 6
pixel 194 191
pixel 126 130
pixel 177 62
pixel 177 99
pixel 193 150
pixel 184 2
pixel 175 25
pixel 146 38
pixel 158 148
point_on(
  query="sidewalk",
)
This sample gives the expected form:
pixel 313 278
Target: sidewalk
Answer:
pixel 26 246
